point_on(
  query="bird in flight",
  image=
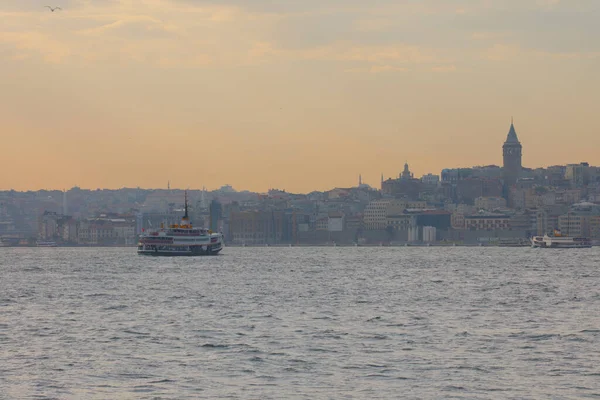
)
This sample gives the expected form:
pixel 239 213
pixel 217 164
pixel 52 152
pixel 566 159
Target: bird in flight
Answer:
pixel 53 8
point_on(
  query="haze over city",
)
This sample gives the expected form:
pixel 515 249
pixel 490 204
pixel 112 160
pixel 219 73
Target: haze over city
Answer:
pixel 294 95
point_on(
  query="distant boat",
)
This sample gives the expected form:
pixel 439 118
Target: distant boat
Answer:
pixel 514 242
pixel 8 241
pixel 46 243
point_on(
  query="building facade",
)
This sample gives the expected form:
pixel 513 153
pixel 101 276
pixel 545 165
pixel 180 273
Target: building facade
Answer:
pixel 490 203
pixel 487 222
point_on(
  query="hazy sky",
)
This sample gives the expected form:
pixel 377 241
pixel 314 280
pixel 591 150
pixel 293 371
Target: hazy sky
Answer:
pixel 293 94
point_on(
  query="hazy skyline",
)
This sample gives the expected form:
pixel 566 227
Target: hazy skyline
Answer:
pixel 296 95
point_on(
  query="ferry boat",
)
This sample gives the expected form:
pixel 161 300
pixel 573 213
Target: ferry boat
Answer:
pixel 556 240
pixel 180 240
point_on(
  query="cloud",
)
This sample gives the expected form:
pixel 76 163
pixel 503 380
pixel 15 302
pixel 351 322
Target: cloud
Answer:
pixel 51 51
pixel 431 35
pixel 376 69
pixel 343 51
pixel 444 68
pixel 134 26
pixel 502 52
pixel 547 4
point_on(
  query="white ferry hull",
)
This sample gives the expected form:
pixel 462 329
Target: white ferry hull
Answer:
pixel 548 242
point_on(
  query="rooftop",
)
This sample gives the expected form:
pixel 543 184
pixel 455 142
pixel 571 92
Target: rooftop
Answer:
pixel 512 135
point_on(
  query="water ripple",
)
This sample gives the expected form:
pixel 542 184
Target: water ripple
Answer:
pixel 461 323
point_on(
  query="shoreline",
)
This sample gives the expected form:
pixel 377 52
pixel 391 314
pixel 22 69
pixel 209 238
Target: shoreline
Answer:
pixel 294 245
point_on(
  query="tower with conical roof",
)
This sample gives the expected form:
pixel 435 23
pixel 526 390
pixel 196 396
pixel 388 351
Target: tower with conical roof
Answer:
pixel 512 153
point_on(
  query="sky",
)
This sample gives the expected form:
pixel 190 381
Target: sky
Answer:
pixel 289 94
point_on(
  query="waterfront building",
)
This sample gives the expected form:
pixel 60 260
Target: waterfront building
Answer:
pixel 487 222
pixel 216 214
pixel 375 214
pixel 439 219
pixel 322 223
pixel 107 230
pixel 335 222
pixel 547 218
pixel 574 224
pixel 354 222
pixel 262 227
pixel 457 220
pixel 594 225
pixel 401 221
pixel 429 234
pixel 48 225
pixel 525 221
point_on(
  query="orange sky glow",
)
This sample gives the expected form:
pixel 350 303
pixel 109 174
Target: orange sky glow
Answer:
pixel 293 95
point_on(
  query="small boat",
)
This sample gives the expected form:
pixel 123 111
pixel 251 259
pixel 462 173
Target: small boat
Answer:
pixel 556 240
pixel 180 240
pixel 8 241
pixel 514 242
pixel 46 243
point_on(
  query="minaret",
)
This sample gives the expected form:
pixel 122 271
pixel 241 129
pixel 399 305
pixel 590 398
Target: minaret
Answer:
pixel 512 157
pixel 203 198
pixel 359 180
pixel 65 207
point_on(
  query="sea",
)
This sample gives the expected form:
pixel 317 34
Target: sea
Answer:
pixel 301 323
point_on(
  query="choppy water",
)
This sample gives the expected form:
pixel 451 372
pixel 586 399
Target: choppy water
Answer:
pixel 273 323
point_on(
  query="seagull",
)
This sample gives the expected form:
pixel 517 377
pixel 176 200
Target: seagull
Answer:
pixel 53 9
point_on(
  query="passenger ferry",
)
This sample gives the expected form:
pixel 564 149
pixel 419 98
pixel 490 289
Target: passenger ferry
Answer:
pixel 556 240
pixel 180 240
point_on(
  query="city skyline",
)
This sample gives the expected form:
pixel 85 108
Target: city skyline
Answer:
pixel 359 179
pixel 293 96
